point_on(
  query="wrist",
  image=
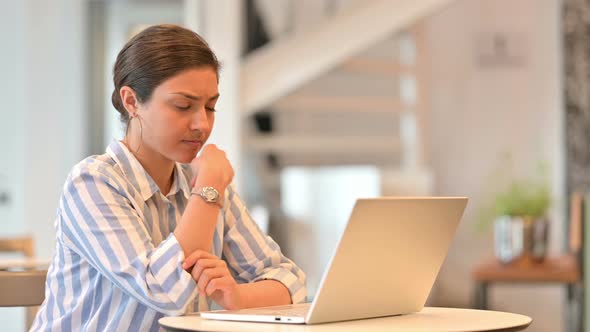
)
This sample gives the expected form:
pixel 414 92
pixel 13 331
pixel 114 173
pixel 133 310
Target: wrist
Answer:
pixel 208 181
pixel 208 194
pixel 242 296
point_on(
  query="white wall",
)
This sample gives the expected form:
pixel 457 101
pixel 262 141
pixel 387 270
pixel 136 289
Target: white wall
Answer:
pixel 317 202
pixel 12 136
pixel 478 112
pixel 12 93
pixel 42 127
pixel 54 116
pixel 42 131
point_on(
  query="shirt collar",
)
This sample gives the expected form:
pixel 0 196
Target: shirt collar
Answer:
pixel 180 182
pixel 138 176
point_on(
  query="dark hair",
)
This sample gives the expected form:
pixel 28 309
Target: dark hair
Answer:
pixel 154 55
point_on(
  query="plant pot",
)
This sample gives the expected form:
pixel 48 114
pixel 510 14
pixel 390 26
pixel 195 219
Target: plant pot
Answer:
pixel 539 239
pixel 520 238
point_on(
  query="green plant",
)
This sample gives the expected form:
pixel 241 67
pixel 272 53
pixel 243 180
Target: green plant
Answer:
pixel 529 197
pixel 524 198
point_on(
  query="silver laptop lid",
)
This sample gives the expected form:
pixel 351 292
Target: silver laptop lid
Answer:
pixel 388 257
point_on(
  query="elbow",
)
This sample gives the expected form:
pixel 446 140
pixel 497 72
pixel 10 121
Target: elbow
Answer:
pixel 172 312
pixel 171 297
pixel 174 305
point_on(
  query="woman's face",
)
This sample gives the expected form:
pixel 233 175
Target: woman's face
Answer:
pixel 178 118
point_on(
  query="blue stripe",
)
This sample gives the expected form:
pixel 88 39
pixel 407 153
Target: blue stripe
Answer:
pixel 137 320
pixel 217 241
pixel 97 300
pixel 247 232
pixel 76 284
pixel 164 222
pixel 165 259
pixel 90 294
pixel 156 327
pixel 170 281
pixel 104 307
pixel 115 321
pixel 149 219
pixel 50 301
pixel 61 286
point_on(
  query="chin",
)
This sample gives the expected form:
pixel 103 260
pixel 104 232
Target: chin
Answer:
pixel 185 158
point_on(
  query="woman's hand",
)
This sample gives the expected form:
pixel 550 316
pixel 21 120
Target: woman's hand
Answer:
pixel 212 168
pixel 214 279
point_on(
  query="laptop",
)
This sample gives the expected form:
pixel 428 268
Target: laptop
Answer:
pixel 385 263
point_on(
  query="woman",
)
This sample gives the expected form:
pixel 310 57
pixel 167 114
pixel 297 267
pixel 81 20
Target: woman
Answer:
pixel 147 228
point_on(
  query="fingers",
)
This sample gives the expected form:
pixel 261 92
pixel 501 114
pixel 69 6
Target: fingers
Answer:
pixel 195 256
pixel 204 264
pixel 213 166
pixel 211 147
pixel 219 284
pixel 210 274
pixel 207 267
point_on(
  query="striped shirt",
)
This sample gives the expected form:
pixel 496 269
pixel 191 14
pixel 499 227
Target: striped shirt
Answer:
pixel 117 264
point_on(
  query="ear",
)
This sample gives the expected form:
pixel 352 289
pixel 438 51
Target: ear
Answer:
pixel 129 100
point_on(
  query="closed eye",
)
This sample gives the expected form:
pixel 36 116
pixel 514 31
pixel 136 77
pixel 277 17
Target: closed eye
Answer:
pixel 210 109
pixel 183 108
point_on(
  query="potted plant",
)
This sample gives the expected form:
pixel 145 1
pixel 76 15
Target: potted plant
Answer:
pixel 519 215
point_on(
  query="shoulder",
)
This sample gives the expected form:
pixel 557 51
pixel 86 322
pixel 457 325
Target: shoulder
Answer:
pixel 96 169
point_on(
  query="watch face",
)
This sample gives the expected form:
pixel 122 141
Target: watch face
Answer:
pixel 210 194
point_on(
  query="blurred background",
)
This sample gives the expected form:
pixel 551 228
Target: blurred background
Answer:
pixel 325 101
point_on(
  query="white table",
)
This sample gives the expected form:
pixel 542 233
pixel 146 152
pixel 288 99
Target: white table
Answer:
pixel 429 319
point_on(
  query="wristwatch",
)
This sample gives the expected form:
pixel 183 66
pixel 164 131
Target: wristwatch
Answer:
pixel 208 194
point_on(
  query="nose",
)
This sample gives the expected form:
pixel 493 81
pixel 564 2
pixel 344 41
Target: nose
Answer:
pixel 200 121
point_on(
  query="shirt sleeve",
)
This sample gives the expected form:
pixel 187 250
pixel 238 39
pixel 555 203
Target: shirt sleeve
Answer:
pixel 98 221
pixel 253 256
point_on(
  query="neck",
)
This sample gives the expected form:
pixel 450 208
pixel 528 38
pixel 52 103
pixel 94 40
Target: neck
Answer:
pixel 157 166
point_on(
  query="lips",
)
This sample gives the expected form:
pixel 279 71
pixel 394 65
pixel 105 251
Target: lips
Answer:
pixel 193 143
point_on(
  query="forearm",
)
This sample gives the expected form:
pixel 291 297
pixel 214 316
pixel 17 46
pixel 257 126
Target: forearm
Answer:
pixel 152 277
pixel 197 225
pixel 264 293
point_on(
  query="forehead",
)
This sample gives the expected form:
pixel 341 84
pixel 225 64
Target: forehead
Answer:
pixel 197 81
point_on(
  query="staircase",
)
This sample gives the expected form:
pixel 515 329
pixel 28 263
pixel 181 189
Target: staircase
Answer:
pixel 339 95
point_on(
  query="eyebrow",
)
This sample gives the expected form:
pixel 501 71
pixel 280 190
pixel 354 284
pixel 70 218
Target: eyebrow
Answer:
pixel 193 97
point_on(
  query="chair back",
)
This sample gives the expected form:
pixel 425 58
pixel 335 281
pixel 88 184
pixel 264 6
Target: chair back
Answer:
pixel 22 288
pixel 23 244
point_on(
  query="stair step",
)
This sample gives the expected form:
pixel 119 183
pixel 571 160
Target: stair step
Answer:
pixel 333 145
pixel 304 104
pixel 379 67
